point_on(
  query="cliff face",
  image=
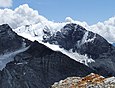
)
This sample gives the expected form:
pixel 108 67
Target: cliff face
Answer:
pixel 90 81
pixel 39 67
pixel 76 38
pixel 10 41
pixel 35 66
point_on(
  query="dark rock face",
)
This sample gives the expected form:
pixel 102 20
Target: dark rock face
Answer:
pixel 76 38
pixel 9 40
pixel 39 67
pixel 36 67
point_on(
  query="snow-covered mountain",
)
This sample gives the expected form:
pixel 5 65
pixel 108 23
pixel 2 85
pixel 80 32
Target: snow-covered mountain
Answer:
pixel 27 64
pixel 33 27
pixel 39 32
pixel 76 42
pixel 52 58
pixel 39 66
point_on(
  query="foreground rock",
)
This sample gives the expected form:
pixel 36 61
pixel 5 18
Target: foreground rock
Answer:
pixel 90 81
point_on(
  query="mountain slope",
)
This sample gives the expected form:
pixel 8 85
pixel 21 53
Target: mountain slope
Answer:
pixel 39 67
pixel 9 40
pixel 76 42
pixel 77 39
pixel 35 65
pixel 10 44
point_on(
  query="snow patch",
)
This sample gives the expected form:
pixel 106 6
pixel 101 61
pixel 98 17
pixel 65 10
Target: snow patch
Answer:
pixel 7 57
pixel 110 80
pixel 90 40
pixel 84 39
pixel 73 55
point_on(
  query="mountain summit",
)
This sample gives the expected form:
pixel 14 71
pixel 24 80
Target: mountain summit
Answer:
pixel 9 40
pixel 73 37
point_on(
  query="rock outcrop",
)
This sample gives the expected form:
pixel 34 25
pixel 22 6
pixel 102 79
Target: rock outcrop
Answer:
pixel 90 81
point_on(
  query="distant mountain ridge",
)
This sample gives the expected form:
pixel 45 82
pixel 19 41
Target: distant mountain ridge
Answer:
pixel 77 39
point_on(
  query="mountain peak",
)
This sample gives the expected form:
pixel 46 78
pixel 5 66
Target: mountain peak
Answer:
pixel 5 27
pixel 9 40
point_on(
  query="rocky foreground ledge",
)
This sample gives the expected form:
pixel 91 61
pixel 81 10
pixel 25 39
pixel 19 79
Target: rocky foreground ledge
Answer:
pixel 90 81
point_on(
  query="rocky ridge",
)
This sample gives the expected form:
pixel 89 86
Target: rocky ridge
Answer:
pixel 90 81
pixel 10 41
pixel 39 67
pixel 75 38
pixel 36 67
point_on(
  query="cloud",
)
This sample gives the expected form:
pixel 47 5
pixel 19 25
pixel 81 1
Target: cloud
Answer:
pixel 105 29
pixel 24 15
pixel 68 19
pixel 5 3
